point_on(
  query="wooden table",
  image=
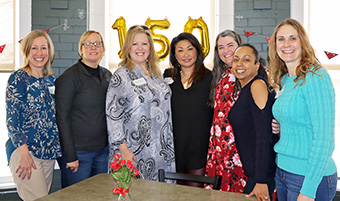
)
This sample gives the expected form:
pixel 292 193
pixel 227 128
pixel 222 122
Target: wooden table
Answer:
pixel 100 187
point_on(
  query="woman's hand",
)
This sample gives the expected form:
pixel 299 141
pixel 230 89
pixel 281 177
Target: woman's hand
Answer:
pixel 275 127
pixel 73 166
pixel 127 154
pixel 302 197
pixel 261 192
pixel 25 164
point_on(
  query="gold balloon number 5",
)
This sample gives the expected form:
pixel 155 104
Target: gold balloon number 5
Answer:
pixel 120 26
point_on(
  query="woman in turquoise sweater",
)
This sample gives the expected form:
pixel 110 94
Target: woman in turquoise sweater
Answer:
pixel 305 109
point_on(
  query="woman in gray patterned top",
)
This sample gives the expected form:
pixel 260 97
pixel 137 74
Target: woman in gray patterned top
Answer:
pixel 138 107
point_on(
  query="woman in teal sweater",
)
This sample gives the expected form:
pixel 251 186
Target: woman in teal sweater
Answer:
pixel 305 109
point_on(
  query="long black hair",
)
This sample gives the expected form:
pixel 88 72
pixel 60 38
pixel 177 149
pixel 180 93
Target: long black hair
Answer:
pixel 200 70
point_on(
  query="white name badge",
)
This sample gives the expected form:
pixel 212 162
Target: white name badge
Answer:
pixel 169 80
pixel 51 89
pixel 232 78
pixel 278 93
pixel 139 81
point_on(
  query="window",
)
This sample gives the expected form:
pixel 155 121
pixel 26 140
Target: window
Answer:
pixel 323 32
pixel 14 27
pixel 7 35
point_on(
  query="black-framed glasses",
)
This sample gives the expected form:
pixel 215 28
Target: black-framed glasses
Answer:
pixel 143 26
pixel 89 44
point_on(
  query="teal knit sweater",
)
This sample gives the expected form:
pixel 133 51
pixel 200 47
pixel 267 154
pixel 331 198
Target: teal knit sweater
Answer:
pixel 306 115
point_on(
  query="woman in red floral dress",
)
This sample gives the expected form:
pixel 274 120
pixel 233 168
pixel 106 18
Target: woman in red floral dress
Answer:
pixel 223 158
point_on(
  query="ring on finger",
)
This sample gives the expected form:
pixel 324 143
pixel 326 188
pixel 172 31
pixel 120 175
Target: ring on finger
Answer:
pixel 266 198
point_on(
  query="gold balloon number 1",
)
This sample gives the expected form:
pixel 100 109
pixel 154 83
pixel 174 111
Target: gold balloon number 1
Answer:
pixel 120 26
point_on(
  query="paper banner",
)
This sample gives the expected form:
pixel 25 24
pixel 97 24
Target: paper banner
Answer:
pixel 248 33
pixel 2 47
pixel 330 54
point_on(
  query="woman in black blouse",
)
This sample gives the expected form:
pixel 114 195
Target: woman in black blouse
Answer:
pixel 190 81
pixel 251 118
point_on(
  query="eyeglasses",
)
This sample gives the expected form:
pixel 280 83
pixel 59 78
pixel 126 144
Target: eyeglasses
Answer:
pixel 96 44
pixel 143 26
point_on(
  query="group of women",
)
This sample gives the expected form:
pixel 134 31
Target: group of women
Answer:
pixel 189 120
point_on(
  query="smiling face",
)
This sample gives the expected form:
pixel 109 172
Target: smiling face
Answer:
pixel 244 65
pixel 226 48
pixel 91 55
pixel 139 50
pixel 38 54
pixel 186 54
pixel 288 46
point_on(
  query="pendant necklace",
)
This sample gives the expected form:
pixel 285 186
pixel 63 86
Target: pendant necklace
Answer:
pixel 186 81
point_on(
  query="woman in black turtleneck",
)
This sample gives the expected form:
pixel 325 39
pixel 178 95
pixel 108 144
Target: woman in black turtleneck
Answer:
pixel 80 102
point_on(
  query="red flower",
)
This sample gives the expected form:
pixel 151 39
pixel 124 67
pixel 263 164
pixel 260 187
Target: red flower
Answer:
pixel 116 156
pixel 122 161
pixel 115 166
pixel 136 172
pixel 129 164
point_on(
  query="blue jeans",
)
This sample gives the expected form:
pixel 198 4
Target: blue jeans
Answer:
pixel 90 163
pixel 288 186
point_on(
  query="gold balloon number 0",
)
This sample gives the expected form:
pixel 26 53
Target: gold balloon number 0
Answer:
pixel 163 41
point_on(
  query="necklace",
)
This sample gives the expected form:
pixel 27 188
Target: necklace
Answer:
pixel 185 80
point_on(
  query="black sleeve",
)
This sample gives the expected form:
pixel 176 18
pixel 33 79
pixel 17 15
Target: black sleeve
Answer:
pixel 262 119
pixel 167 72
pixel 65 90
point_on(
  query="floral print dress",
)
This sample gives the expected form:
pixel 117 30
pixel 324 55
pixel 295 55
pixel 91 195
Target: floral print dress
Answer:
pixel 223 158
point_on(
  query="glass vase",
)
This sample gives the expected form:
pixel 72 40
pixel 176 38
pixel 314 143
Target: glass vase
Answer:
pixel 127 197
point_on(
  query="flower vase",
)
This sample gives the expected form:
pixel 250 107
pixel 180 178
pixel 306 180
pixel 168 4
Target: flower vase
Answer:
pixel 127 197
pixel 123 191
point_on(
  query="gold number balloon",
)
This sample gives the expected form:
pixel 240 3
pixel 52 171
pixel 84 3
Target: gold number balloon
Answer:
pixel 120 25
pixel 158 38
pixel 203 28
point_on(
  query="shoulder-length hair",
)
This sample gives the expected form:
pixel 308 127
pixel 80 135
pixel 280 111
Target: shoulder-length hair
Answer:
pixel 83 38
pixel 199 70
pixel 219 66
pixel 278 68
pixel 26 45
pixel 153 60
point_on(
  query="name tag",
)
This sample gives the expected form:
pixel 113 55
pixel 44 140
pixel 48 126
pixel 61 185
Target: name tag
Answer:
pixel 139 81
pixel 232 78
pixel 278 93
pixel 51 89
pixel 169 80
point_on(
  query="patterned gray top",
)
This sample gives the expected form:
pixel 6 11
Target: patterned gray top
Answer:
pixel 138 113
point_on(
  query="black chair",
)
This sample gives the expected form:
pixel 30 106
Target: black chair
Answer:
pixel 216 181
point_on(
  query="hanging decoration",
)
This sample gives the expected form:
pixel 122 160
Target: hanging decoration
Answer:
pixel 330 54
pixel 120 26
pixel 248 33
pixel 2 47
pixel 158 38
pixel 203 28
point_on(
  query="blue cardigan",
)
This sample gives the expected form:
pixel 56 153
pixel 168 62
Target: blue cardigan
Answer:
pixel 306 115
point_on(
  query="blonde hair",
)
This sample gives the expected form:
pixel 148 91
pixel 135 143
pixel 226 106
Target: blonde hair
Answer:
pixel 26 45
pixel 84 36
pixel 308 62
pixel 153 60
